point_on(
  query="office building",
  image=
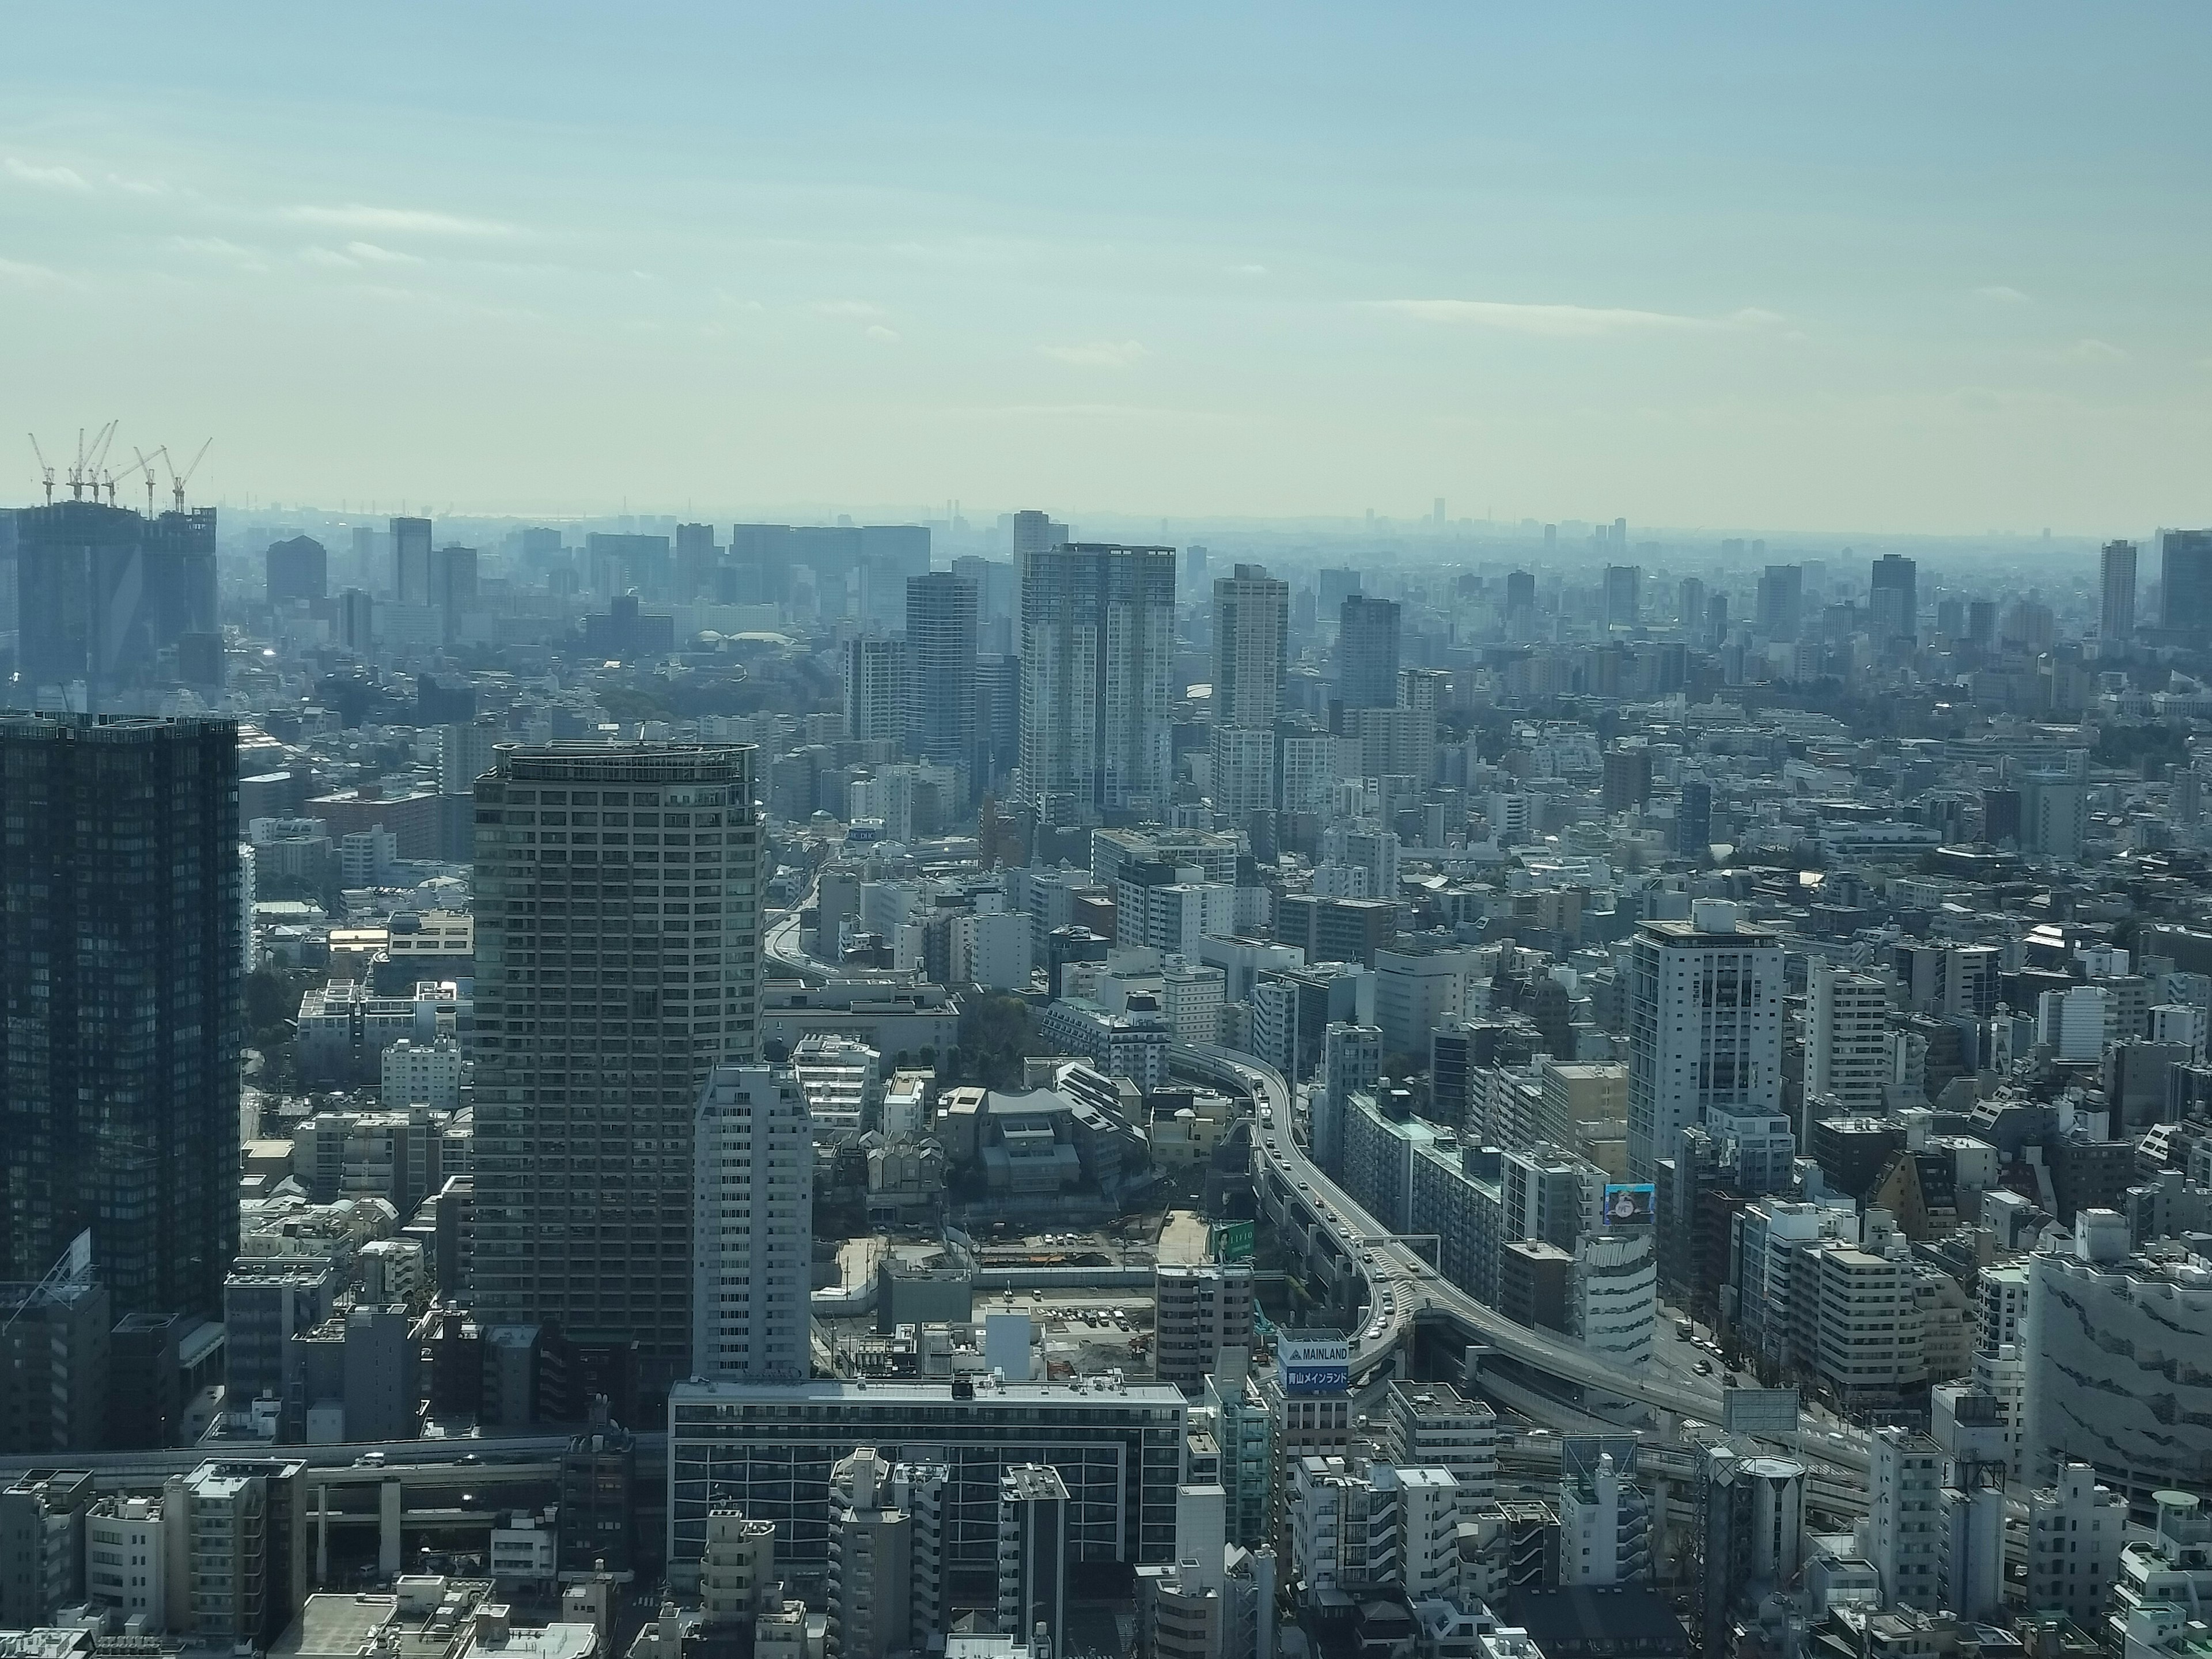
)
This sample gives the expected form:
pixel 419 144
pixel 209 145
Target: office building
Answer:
pixel 1033 1555
pixel 2184 580
pixel 1704 1017
pixel 617 965
pixel 42 1538
pixel 940 669
pixel 753 1229
pixel 1893 601
pixel 1432 1427
pixel 1251 623
pixel 1748 1540
pixel 771 1450
pixel 2116 583
pixel 1847 1048
pixel 297 568
pixel 1098 643
pixel 696 559
pixel 120 966
pixel 1352 1063
pixel 1622 585
pixel 1367 653
pixel 1781 597
pixel 411 562
pixel 2100 1329
pixel 1694 819
pixel 1202 1308
pixel 1905 1476
pixel 102 592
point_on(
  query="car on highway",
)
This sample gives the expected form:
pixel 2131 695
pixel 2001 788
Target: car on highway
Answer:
pixel 1704 1368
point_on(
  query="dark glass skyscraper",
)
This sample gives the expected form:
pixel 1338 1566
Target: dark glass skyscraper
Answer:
pixel 120 966
pixel 103 589
pixel 2184 578
pixel 1894 600
pixel 1367 653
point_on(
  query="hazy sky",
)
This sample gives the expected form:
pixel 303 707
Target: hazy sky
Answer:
pixel 1863 266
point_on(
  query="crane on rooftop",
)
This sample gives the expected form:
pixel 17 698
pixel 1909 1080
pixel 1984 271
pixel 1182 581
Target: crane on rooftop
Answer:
pixel 178 480
pixel 46 472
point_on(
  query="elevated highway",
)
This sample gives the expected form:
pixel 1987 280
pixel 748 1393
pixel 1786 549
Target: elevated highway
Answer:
pixel 1400 1287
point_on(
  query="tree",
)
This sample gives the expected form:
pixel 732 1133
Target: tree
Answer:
pixel 996 1033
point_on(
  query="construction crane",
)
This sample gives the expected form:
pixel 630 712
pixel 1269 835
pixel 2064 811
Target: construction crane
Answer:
pixel 86 473
pixel 111 479
pixel 46 472
pixel 178 480
pixel 146 462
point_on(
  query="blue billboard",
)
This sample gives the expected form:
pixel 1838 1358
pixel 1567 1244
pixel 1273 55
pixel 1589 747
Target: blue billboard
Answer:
pixel 1314 1362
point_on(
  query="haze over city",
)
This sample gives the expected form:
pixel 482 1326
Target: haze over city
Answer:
pixel 1864 269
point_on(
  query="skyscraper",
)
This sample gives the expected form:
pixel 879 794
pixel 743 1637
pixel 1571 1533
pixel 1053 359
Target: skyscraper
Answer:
pixel 1251 621
pixel 120 968
pixel 1781 601
pixel 1704 1027
pixel 695 561
pixel 298 568
pixel 1622 583
pixel 411 560
pixel 940 656
pixel 752 1238
pixel 2184 576
pixel 1846 1042
pixel 617 964
pixel 1367 653
pixel 1892 601
pixel 2115 617
pixel 102 591
pixel 1098 642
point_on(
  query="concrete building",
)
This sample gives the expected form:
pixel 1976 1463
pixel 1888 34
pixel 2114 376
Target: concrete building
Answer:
pixel 1352 1063
pixel 422 1073
pixel 1367 653
pixel 2075 1530
pixel 1200 1310
pixel 1033 1554
pixel 578 1075
pixel 940 659
pixel 1251 622
pixel 737 1572
pixel 1847 1061
pixel 1704 1017
pixel 1432 1427
pixel 42 1546
pixel 1902 1539
pixel 2099 1341
pixel 772 1449
pixel 885 1581
pixel 841 1080
pixel 132 1552
pixel 752 1227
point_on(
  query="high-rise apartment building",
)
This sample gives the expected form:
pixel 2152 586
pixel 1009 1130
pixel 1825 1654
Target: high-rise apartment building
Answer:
pixel 1033 1553
pixel 2116 573
pixel 875 689
pixel 102 591
pixel 1367 653
pixel 1893 600
pixel 752 1229
pixel 1251 623
pixel 1847 1060
pixel 120 969
pixel 1097 641
pixel 1203 1308
pixel 411 560
pixel 617 965
pixel 2184 579
pixel 940 661
pixel 1705 1019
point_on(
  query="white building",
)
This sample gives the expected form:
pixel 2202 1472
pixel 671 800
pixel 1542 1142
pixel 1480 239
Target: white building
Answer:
pixel 2075 1530
pixel 1416 988
pixel 128 1546
pixel 1847 1040
pixel 1615 1307
pixel 1704 1011
pixel 1904 1475
pixel 423 1073
pixel 841 1080
pixel 991 949
pixel 2073 1022
pixel 752 1227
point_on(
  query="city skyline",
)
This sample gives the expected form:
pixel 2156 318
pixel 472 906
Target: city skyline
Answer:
pixel 1521 263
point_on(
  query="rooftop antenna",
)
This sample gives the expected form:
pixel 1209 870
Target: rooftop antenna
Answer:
pixel 178 480
pixel 46 472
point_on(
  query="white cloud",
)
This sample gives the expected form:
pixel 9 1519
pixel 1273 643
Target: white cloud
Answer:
pixel 214 246
pixel 31 275
pixel 1098 354
pixel 1247 271
pixel 53 178
pixel 2002 293
pixel 370 253
pixel 329 258
pixel 2096 351
pixel 403 220
pixel 1561 322
pixel 845 308
pixel 878 332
